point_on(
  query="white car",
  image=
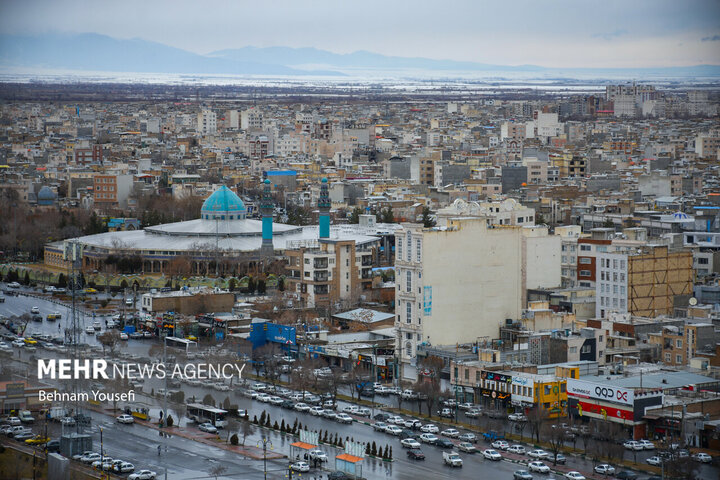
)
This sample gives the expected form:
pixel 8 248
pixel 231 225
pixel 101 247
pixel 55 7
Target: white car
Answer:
pixel 450 433
pixel 207 427
pixel 350 409
pixel 500 444
pixel 605 469
pixel 539 467
pixel 429 428
pixel 702 457
pixel 655 461
pixel 492 454
pixel 574 475
pixel 318 455
pixel 317 411
pixel 124 467
pixel 343 418
pixel 428 438
pixel 467 447
pixel 397 420
pixel 393 430
pixel 517 417
pixel 647 444
pixel 18 343
pixel 142 475
pixel 300 467
pixel 539 454
pixel 410 443
pixel 364 412
pixel 302 407
pixel 90 457
pixel 105 461
pixel 519 449
pixel 125 419
pixel 35 310
pixel 633 445
pixel 123 336
pixel 224 388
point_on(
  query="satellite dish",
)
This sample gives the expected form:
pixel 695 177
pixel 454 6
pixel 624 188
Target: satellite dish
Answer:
pixel 692 301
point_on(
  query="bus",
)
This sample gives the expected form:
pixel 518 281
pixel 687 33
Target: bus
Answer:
pixel 204 413
pixel 188 346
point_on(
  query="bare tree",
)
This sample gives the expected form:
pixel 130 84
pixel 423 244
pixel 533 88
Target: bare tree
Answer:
pixel 247 429
pixel 217 470
pixel 110 340
pixel 536 419
pixel 555 436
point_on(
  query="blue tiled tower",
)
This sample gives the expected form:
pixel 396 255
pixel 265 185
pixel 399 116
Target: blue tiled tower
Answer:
pixel 324 208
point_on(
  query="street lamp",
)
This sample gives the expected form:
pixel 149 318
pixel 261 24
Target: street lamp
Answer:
pixel 266 443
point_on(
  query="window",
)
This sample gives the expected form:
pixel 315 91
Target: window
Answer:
pixel 307 261
pixel 573 349
pixel 419 250
pixel 562 388
pixel 408 312
pixel 678 358
pixel 477 376
pixel 585 248
pixel 667 358
pixel 702 261
pixel 408 336
pixel 408 349
pixel 585 273
pixel 564 259
pixel 408 255
pixel 467 374
pixel 622 264
pixel 615 289
pixel 678 343
pixel 585 349
pixel 408 282
pixel 585 261
pixel 615 263
pixel 399 248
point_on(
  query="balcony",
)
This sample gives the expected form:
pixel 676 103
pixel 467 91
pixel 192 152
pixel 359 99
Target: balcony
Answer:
pixel 320 263
pixel 367 261
pixel 321 277
pixel 321 289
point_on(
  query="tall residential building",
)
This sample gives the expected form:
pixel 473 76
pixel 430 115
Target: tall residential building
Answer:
pixel 207 122
pixel 475 278
pixel 112 190
pixel 251 119
pixel 642 282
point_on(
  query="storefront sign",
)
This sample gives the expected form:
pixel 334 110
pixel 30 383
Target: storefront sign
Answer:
pixel 600 391
pixel 606 412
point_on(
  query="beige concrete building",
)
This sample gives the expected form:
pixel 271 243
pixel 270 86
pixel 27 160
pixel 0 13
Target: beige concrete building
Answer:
pixel 462 280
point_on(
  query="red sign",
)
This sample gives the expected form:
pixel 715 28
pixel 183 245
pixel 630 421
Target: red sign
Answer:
pixel 606 411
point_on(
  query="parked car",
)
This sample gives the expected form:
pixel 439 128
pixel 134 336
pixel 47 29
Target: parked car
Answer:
pixel 490 454
pixel 518 449
pixel 517 417
pixel 500 444
pixel 647 444
pixel 318 455
pixel 343 418
pixel 538 454
pixel 633 445
pixel 575 475
pixel 446 412
pixel 558 458
pixel 655 461
pixel 604 469
pixel 539 467
pixel 428 438
pixel 393 430
pixel 430 428
pixel 300 467
pixel 123 467
pixel 90 457
pixel 468 437
pixel 472 413
pixel 450 432
pixel 467 447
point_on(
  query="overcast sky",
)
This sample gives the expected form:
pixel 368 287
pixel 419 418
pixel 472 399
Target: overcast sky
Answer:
pixel 555 33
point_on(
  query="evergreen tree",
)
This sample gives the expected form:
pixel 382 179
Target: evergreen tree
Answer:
pixel 261 287
pixel 367 449
pixel 390 454
pixel 262 417
pixel 282 425
pixel 373 449
pixel 275 426
pixel 255 419
pixel 295 426
pixel 325 438
pixel 355 215
pixel 427 220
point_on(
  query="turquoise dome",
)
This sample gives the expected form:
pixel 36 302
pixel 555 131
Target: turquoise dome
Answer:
pixel 223 204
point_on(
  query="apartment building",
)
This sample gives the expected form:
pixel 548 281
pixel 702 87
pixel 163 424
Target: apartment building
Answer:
pixel 112 190
pixel 325 272
pixel 642 281
pixel 476 277
pixel 207 122
pixel 251 119
pixel 681 344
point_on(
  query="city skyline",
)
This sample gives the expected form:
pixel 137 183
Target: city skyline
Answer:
pixel 561 35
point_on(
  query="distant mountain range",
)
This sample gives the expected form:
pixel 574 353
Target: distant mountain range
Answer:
pixel 95 52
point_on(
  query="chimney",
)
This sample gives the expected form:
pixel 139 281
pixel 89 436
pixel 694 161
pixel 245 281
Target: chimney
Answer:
pixel 266 207
pixel 324 208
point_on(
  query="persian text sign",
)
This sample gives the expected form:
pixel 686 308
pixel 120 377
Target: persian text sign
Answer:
pixel 600 391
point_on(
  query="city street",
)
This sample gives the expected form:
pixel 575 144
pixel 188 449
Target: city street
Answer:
pixel 187 459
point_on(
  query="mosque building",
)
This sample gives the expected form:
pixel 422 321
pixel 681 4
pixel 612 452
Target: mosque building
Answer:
pixel 223 241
